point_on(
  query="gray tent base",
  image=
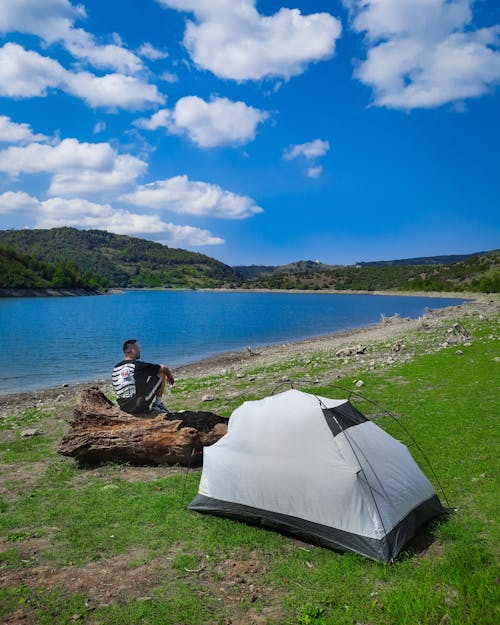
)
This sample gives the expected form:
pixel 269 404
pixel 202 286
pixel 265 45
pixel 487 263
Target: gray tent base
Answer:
pixel 384 550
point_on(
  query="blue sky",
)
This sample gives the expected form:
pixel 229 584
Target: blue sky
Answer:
pixel 255 132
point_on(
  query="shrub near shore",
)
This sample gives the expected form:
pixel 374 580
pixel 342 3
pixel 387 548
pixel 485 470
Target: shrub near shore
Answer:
pixel 115 544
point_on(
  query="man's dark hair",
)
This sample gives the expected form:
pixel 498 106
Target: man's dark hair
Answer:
pixel 128 343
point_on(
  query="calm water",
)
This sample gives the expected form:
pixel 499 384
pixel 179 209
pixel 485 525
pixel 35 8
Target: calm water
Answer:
pixel 51 341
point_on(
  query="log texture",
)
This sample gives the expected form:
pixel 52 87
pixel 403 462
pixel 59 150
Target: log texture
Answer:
pixel 101 432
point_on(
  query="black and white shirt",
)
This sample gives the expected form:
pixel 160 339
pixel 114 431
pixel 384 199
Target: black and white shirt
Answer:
pixel 135 379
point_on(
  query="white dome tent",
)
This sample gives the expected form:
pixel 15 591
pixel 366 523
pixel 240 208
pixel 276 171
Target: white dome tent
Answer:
pixel 317 469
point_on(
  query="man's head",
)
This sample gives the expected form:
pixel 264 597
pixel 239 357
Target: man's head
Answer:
pixel 131 349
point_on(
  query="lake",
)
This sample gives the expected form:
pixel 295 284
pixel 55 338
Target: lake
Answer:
pixel 51 341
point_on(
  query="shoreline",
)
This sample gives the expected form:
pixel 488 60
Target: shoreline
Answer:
pixel 388 329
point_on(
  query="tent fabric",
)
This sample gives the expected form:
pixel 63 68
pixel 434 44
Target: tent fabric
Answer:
pixel 316 468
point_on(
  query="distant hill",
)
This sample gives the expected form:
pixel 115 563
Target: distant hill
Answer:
pixel 423 260
pixel 479 272
pixel 249 272
pixel 113 260
pixel 71 258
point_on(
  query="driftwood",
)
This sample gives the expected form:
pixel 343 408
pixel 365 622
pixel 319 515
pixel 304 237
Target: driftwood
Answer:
pixel 101 432
pixel 461 331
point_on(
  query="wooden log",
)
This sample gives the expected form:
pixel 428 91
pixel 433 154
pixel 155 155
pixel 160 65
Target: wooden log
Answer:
pixel 101 432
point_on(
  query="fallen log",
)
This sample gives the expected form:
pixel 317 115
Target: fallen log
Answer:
pixel 101 432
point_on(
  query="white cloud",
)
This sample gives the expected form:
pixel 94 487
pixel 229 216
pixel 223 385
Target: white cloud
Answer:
pixel 76 168
pixel 26 73
pixel 13 132
pixel 169 77
pixel 310 150
pixel 81 213
pixel 113 90
pixel 233 40
pixel 53 21
pixel 209 124
pixel 82 46
pixel 186 197
pixel 315 172
pixel 85 181
pixel 148 51
pixel 99 127
pixel 424 53
pixel 160 119
pixel 17 202
pixel 69 154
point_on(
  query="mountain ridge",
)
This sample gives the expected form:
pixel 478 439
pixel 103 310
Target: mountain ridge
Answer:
pixel 96 259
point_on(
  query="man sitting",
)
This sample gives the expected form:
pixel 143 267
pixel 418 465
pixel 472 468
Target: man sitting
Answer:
pixel 139 385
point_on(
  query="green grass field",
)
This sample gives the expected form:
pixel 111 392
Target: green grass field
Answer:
pixel 116 545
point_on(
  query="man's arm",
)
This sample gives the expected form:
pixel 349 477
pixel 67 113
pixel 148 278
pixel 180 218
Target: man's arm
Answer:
pixel 166 371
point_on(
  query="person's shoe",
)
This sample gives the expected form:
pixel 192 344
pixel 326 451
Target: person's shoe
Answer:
pixel 159 406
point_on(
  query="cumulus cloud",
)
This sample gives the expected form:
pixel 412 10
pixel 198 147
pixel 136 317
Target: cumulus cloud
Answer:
pixel 25 74
pixel 76 168
pixel 85 181
pixel 113 90
pixel 17 202
pixel 310 150
pixel 233 40
pixel 187 197
pixel 209 124
pixel 13 132
pixel 148 51
pixel 81 213
pixel 160 119
pixel 67 155
pixel 53 21
pixel 424 53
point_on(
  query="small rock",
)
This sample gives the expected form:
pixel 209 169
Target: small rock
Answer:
pixel 496 359
pixel 207 398
pixel 60 397
pixel 359 383
pixel 223 371
pixel 30 432
pixel 459 352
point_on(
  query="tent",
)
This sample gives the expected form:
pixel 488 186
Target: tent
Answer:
pixel 317 469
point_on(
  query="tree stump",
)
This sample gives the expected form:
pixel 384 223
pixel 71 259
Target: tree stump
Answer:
pixel 101 432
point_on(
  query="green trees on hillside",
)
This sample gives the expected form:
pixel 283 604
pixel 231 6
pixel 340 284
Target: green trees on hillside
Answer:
pixel 27 271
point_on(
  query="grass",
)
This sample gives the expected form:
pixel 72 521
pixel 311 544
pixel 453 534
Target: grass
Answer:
pixel 177 567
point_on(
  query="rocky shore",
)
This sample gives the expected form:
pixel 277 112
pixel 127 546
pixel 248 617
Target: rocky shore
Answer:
pixel 390 341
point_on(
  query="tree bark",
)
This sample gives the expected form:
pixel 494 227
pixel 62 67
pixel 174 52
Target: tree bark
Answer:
pixel 101 432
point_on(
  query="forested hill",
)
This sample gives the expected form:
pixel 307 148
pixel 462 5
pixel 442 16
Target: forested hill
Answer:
pixel 26 271
pixel 70 258
pixel 476 273
pixel 112 260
